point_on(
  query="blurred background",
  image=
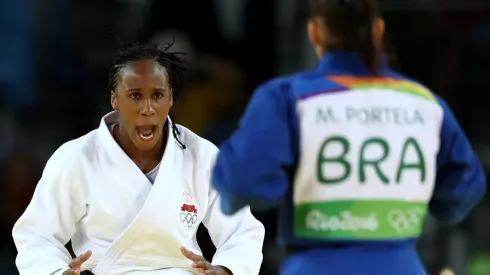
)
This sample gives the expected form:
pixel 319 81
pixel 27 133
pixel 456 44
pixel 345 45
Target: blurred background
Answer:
pixel 55 56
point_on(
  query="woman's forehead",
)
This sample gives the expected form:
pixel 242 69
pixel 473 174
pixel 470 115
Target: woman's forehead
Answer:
pixel 143 73
pixel 143 68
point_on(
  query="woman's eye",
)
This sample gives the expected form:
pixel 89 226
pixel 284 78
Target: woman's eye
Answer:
pixel 158 95
pixel 135 96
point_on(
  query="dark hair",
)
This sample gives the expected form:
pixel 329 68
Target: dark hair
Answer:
pixel 176 68
pixel 349 23
pixel 129 52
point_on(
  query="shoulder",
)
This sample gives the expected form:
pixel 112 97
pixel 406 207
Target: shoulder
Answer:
pixel 71 153
pixel 277 83
pixel 297 86
pixel 279 91
pixel 279 86
pixel 416 87
pixel 64 169
pixel 202 149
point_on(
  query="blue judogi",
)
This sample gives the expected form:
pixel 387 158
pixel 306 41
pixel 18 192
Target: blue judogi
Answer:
pixel 353 162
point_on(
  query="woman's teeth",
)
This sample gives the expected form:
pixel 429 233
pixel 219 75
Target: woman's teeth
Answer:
pixel 146 135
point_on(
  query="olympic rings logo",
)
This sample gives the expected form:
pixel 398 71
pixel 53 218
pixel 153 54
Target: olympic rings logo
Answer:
pixel 188 219
pixel 404 221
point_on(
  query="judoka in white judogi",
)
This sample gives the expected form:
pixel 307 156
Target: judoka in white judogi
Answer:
pixel 92 193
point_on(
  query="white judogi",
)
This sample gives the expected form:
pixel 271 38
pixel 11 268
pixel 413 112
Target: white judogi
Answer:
pixel 92 193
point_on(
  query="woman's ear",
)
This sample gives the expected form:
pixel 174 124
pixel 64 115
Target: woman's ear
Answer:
pixel 171 98
pixel 378 31
pixel 114 103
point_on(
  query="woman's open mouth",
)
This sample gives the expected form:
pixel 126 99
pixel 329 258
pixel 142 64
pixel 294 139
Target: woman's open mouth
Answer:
pixel 146 132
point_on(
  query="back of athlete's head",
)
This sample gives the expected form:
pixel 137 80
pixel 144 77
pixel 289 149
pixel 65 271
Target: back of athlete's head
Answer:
pixel 347 25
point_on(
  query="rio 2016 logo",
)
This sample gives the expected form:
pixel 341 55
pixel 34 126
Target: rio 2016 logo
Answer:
pixel 188 211
pixel 407 220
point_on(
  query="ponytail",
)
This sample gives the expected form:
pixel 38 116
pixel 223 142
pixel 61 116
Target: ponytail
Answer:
pixel 369 53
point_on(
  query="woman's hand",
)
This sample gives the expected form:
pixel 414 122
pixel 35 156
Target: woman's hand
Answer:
pixel 76 264
pixel 203 266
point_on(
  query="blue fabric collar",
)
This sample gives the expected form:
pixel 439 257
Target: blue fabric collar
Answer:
pixel 348 63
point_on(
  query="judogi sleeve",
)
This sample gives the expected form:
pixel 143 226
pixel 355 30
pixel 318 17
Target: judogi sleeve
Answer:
pixel 460 179
pixel 253 164
pixel 49 221
pixel 238 238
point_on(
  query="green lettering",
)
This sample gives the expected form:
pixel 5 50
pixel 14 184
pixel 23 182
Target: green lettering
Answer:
pixel 321 160
pixel 363 162
pixel 420 164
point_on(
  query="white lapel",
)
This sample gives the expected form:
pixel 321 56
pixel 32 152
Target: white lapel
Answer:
pixel 118 157
pixel 165 179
